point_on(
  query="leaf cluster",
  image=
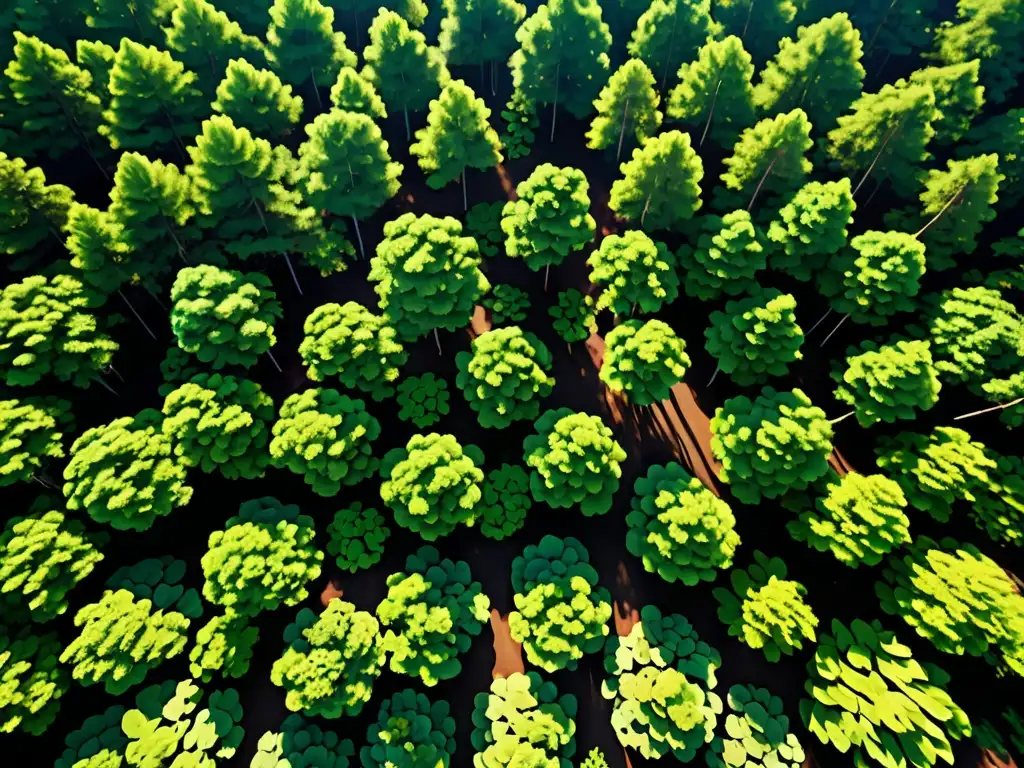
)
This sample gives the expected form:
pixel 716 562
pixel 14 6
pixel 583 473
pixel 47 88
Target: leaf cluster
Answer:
pixel 356 537
pixel 33 681
pixel 573 316
pixel 507 304
pixel 410 731
pixel 504 501
pixel 29 436
pixel 302 744
pixel 758 733
pixel 224 644
pixel 423 400
pixel 159 579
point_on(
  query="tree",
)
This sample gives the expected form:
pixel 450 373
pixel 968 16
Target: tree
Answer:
pixel 125 473
pixel 58 23
pixel 432 484
pixel 220 423
pixel 896 30
pixel 628 104
pixel 327 438
pixel 159 579
pixel 885 134
pixel 660 185
pixel 990 31
pixel 1002 135
pixel 562 57
pixel 223 317
pixel 504 502
pixel 767 21
pixel 959 599
pixel 860 520
pixel 551 217
pixel 401 66
pixel 431 614
pixel 345 166
pixel 716 83
pixel 670 33
pixel 154 100
pixel 643 361
pixel 264 558
pixel 29 437
pixel 302 45
pixel 121 639
pixel 561 614
pixel 755 337
pixel 142 20
pixel 392 742
pixel 506 304
pixel 728 255
pixel 424 288
pixel 958 97
pixel 352 92
pixel 353 344
pixel 923 716
pixel 778 442
pixel 42 557
pixel 423 400
pixel 257 100
pixel 765 610
pixel 573 316
pixel 758 734
pixel 204 37
pixel 678 527
pixel 457 137
pixel 96 58
pixel 505 376
pixel 300 742
pixel 51 101
pixel 331 661
pixel 46 330
pixel 811 228
pixel 224 644
pixel 819 72
pixel 574 459
pixel 632 270
pixel 33 682
pixel 475 32
pixel 768 157
pixel 356 537
pixel 888 383
pixel 32 214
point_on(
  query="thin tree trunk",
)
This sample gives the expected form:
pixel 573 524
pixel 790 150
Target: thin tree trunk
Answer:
pixel 820 321
pixel 1010 404
pixel 408 131
pixel 316 89
pixel 274 361
pixel 622 130
pixel 483 78
pixel 291 269
pixel 494 78
pixel 103 383
pixel 939 215
pixel 137 315
pixel 671 46
pixel 767 172
pixel 647 204
pixel 874 35
pixel 155 298
pixel 554 107
pixel 842 418
pixel 182 253
pixel 116 372
pixel 750 12
pixel 45 483
pixel 359 237
pixel 871 167
pixel 355 18
pixel 547 272
pixel 713 376
pixel 437 340
pixel 465 203
pixel 838 325
pixel 711 113
pixel 878 186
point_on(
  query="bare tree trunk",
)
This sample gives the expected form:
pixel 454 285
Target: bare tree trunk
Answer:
pixel 838 325
pixel 554 107
pixel 359 237
pixel 1010 404
pixel 355 18
pixel 750 12
pixel 103 383
pixel 274 361
pixel 711 113
pixel 137 315
pixel 842 418
pixel 871 167
pixel 437 340
pixel 820 321
pixel 547 272
pixel 671 46
pixel 316 90
pixel 622 130
pixel 291 269
pixel 408 131
pixel 713 376
pixel 465 203
pixel 155 298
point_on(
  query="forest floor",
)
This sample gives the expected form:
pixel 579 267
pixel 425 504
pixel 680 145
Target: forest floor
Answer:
pixel 677 431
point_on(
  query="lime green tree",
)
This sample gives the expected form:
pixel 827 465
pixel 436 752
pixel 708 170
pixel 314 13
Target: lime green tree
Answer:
pixel 457 137
pixel 125 473
pixel 889 382
pixel 574 459
pixel 1002 134
pixel 505 376
pixel 352 92
pixel 670 33
pixel 678 527
pixel 958 97
pixel 728 255
pixel 326 437
pixel 480 33
pixel 204 38
pixel 432 484
pixel 778 442
pixel 660 185
pixel 257 100
pixel 220 423
pixel 225 645
pixel 633 272
pixel 32 215
pixel 756 337
pixel 811 228
pixel 427 275
pixel 716 84
pixel 627 105
pixel 643 361
pixel 29 437
pixel 989 30
pixel 33 681
pixel 757 735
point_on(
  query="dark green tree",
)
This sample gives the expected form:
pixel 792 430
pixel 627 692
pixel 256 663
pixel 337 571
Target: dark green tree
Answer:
pixel 643 361
pixel 1002 135
pixel 660 185
pixel 257 100
pixel 140 20
pixel 633 272
pixel 205 39
pixel 958 97
pixel 726 258
pixel 410 731
pixel 401 66
pixel 352 92
pixel 755 337
pixel 32 215
pixel 480 31
pixel 670 33
pixel 716 84
pixel 811 228
pixel 33 681
pixel 760 24
pixel 356 537
pixel 505 501
pixel 627 105
pixel 59 23
pixel 988 30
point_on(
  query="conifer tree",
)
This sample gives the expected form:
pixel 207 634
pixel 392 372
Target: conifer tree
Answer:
pixel 627 105
pixel 205 39
pixel 252 17
pixel 550 219
pixel 457 136
pixel 140 20
pixel 727 256
pixel 634 272
pixel 669 33
pixel 257 100
pixel 958 97
pixel 885 135
pixel 406 72
pixel 1002 135
pixel 96 58
pixel 345 166
pixel 52 102
pixel 32 214
pixel 479 32
pixel 768 159
pixel 154 100
pixel 660 185
pixel 427 275
pixel 819 72
pixel 715 89
pixel 352 92
pixel 811 227
pixel 562 57
pixel 57 22
pixel 643 361
pixel 991 31
pixel 890 30
pixel 302 45
pixel 888 383
pixel 760 24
